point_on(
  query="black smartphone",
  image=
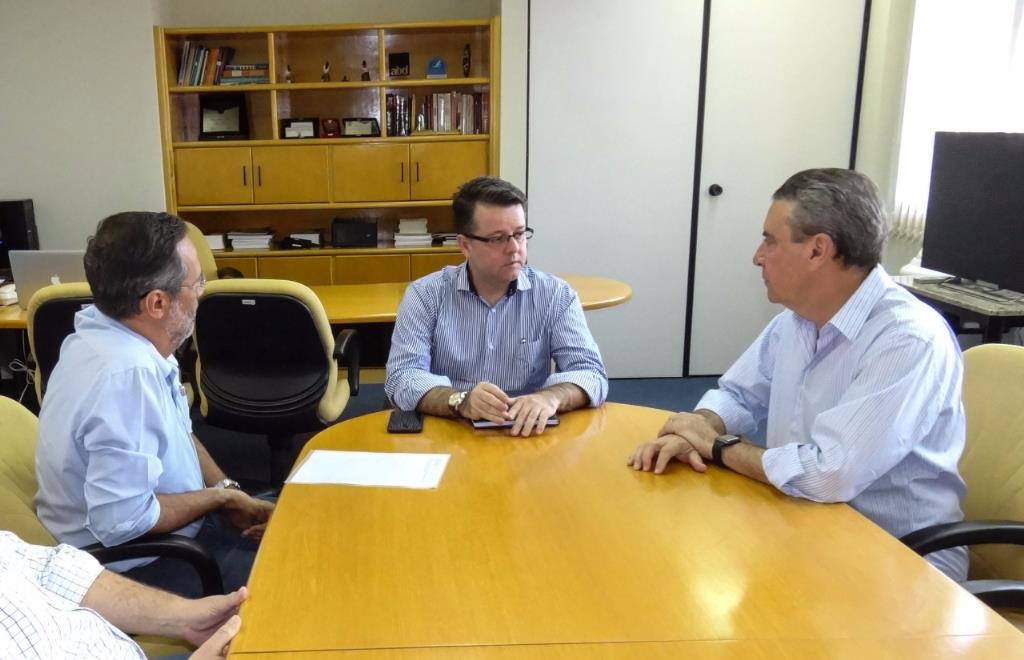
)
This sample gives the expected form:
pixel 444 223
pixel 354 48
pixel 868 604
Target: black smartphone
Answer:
pixel 405 421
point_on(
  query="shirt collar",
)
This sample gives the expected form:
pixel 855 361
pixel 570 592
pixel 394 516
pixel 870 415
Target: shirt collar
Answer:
pixel 464 281
pixel 854 313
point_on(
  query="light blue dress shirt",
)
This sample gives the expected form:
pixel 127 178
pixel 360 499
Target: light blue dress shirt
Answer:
pixel 447 335
pixel 867 411
pixel 114 430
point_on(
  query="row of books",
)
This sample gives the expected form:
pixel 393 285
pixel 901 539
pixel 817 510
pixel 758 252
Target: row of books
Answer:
pixel 200 65
pixel 412 232
pixel 446 112
pixel 244 74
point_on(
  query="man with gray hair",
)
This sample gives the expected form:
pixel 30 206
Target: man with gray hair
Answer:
pixel 858 381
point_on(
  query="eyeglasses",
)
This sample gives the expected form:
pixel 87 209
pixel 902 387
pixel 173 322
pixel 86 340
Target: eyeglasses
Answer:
pixel 196 286
pixel 520 237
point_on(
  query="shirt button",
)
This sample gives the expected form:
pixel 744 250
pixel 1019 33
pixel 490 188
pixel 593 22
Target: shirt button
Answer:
pixel 490 346
pixel 492 311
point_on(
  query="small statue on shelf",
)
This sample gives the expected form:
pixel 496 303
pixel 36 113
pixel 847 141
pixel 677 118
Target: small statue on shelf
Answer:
pixel 467 60
pixel 325 73
pixel 344 78
pixel 289 77
pixel 366 72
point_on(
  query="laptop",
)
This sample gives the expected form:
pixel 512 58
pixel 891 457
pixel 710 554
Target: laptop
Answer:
pixel 34 269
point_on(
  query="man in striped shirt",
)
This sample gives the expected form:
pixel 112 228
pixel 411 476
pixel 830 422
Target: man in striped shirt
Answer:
pixel 858 381
pixel 476 341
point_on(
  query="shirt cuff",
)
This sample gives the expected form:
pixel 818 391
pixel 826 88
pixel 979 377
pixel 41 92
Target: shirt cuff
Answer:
pixel 72 573
pixel 595 386
pixel 737 419
pixel 408 394
pixel 782 465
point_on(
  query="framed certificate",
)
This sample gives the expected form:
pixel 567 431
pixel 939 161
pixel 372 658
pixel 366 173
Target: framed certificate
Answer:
pixel 223 117
pixel 300 127
pixel 360 127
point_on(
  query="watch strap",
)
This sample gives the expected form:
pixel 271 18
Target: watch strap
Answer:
pixel 721 443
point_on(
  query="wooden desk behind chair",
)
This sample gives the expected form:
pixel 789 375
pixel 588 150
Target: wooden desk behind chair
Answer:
pixel 550 547
pixel 378 303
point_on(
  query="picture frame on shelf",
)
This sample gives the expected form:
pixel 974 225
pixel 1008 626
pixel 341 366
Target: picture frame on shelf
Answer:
pixel 398 65
pixel 223 117
pixel 300 127
pixel 360 127
pixel 330 127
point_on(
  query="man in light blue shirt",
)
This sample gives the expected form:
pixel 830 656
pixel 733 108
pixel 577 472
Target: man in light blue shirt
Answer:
pixel 116 457
pixel 476 341
pixel 859 382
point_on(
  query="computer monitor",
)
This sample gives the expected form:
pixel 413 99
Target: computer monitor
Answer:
pixel 975 221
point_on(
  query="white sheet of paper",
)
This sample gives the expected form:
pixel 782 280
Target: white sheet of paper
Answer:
pixel 364 468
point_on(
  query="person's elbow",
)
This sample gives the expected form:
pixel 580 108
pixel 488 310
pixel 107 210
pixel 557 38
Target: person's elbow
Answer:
pixel 118 522
pixel 827 485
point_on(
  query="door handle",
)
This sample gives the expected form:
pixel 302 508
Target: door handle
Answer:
pixel 715 190
pixel 401 177
pixel 245 179
pixel 417 171
pixel 259 175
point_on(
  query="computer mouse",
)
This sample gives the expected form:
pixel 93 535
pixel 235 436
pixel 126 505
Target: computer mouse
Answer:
pixel 7 288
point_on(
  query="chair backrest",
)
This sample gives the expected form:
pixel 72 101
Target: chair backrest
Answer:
pixel 51 318
pixel 265 356
pixel 993 460
pixel 206 260
pixel 18 429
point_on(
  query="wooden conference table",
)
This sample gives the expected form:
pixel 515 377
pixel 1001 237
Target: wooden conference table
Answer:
pixel 550 547
pixel 378 303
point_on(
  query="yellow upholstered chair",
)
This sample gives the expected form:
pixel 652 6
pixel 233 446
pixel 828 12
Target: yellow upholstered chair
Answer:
pixel 206 259
pixel 51 318
pixel 993 468
pixel 19 428
pixel 268 362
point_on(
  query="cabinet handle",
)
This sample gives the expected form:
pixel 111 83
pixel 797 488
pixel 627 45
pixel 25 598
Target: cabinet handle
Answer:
pixel 417 171
pixel 245 179
pixel 259 175
pixel 401 177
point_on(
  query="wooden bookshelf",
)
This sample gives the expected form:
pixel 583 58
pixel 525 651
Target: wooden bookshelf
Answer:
pixel 266 180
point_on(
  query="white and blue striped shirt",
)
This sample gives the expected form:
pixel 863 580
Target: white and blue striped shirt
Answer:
pixel 867 411
pixel 447 335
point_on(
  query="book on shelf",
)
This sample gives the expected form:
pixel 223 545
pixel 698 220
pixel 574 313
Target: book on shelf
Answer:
pixel 215 241
pixel 248 80
pixel 250 240
pixel 200 65
pixel 412 232
pixel 312 237
pixel 408 226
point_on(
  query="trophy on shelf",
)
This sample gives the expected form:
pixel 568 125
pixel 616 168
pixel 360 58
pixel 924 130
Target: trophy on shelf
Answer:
pixel 436 68
pixel 467 60
pixel 289 77
pixel 366 72
pixel 325 73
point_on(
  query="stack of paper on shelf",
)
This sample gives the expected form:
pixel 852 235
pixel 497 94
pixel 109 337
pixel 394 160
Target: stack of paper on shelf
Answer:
pixel 215 241
pixel 250 240
pixel 311 236
pixel 446 239
pixel 412 232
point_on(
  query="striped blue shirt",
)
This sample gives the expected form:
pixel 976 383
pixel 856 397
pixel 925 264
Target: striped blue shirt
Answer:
pixel 447 335
pixel 867 411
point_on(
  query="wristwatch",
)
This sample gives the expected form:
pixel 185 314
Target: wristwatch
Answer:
pixel 721 442
pixel 227 483
pixel 455 401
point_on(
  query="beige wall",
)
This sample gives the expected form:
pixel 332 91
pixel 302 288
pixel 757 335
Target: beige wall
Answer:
pixel 79 131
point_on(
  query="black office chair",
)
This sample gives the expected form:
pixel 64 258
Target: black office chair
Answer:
pixel 268 363
pixel 51 318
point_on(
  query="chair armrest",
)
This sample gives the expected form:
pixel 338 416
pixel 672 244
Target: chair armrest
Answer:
pixel 346 351
pixel 968 532
pixel 997 593
pixel 229 273
pixel 166 545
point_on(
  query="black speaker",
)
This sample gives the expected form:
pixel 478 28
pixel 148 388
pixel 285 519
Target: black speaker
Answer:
pixel 17 228
pixel 354 232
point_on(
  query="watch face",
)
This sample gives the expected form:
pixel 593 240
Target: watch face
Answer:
pixel 456 399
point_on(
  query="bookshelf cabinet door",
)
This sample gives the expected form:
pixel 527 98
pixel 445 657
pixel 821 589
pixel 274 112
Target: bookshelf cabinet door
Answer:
pixel 370 172
pixel 371 269
pixel 438 168
pixel 425 264
pixel 213 176
pixel 290 175
pixel 311 271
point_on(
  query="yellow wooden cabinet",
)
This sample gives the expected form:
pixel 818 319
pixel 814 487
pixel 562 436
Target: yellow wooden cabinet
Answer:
pixel 439 168
pixel 424 264
pixel 311 271
pixel 245 265
pixel 374 172
pixel 213 176
pixel 371 269
pixel 290 174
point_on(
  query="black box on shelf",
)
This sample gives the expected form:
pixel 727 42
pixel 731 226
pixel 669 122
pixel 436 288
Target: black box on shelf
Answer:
pixel 354 232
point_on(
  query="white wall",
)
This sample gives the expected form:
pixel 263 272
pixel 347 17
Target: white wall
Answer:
pixel 79 131
pixel 613 107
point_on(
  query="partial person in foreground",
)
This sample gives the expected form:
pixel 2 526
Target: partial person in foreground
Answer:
pixel 116 457
pixel 60 603
pixel 476 341
pixel 858 381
